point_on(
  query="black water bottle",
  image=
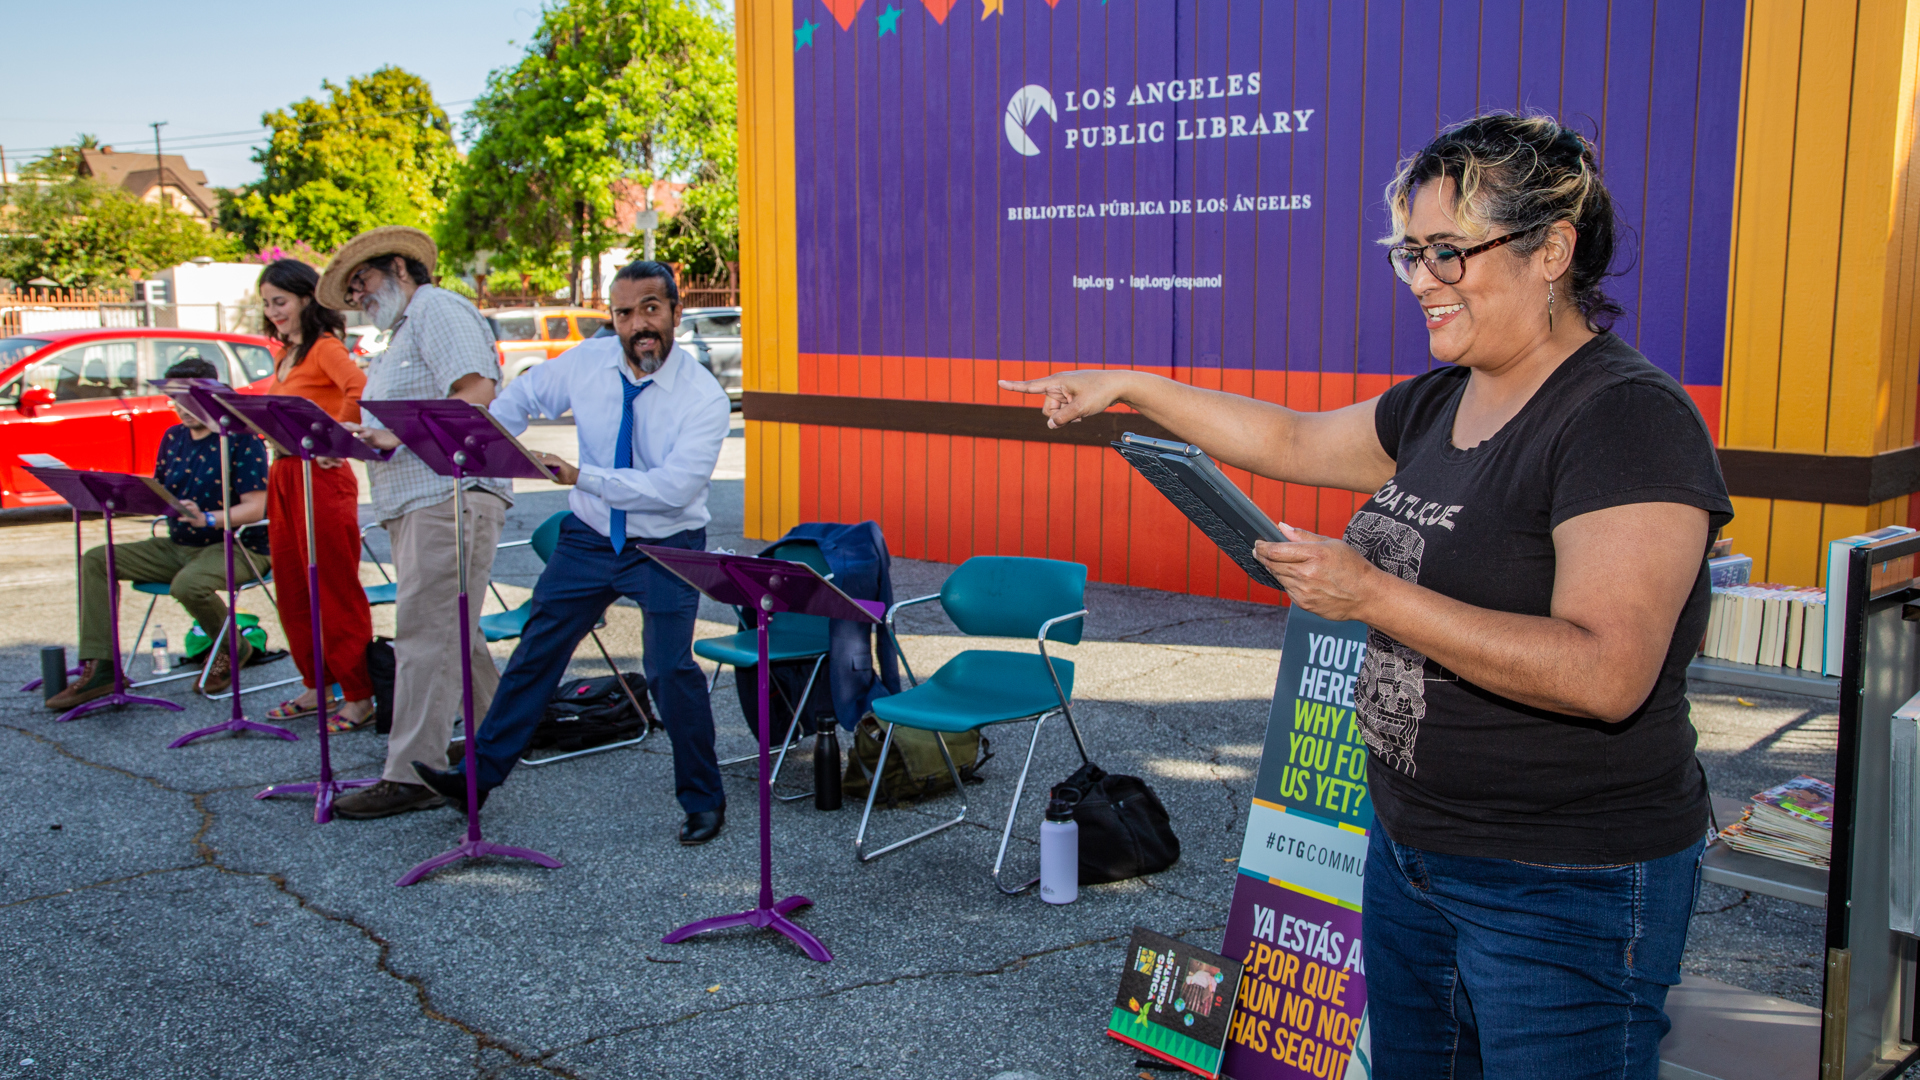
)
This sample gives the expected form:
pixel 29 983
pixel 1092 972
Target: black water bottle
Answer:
pixel 826 768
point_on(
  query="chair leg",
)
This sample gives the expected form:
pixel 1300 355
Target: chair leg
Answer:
pixel 1013 808
pixel 873 790
pixel 713 680
pixel 793 731
pixel 140 634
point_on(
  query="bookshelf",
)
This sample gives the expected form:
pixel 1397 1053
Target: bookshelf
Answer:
pixel 1773 680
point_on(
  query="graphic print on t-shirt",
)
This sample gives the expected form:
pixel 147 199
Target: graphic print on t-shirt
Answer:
pixel 1390 694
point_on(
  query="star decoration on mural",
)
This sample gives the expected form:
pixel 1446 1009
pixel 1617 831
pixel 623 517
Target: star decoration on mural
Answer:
pixel 803 36
pixel 889 21
pixel 988 7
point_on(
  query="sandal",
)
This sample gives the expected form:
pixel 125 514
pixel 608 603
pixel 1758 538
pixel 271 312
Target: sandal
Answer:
pixel 293 710
pixel 340 725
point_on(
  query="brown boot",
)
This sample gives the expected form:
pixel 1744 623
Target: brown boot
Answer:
pixel 220 673
pixel 386 799
pixel 95 681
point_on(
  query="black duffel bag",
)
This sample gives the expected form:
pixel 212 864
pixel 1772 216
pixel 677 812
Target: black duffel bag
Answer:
pixel 1124 829
pixel 586 713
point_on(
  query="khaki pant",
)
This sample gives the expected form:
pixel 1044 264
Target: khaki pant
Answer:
pixel 426 644
pixel 197 575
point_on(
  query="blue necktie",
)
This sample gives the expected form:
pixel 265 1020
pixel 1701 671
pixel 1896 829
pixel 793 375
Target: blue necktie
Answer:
pixel 623 459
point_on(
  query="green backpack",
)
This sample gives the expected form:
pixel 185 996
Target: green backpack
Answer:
pixel 915 769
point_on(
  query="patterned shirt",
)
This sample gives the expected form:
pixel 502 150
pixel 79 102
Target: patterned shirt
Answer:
pixel 190 468
pixel 439 340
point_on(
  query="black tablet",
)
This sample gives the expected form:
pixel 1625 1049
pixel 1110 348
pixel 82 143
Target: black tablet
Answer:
pixel 1190 479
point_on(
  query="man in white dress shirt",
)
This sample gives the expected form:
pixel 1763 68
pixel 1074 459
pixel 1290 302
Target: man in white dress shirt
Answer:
pixel 650 420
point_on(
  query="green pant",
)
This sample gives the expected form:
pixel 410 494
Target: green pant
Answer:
pixel 198 576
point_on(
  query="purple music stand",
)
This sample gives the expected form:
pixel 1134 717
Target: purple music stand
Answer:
pixel 202 398
pixel 79 594
pixel 768 586
pixel 107 493
pixel 460 439
pixel 298 428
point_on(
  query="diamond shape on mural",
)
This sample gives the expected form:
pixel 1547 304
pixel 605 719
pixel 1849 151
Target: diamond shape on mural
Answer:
pixel 844 10
pixel 939 8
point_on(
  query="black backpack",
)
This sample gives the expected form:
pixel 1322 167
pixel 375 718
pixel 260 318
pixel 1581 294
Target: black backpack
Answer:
pixel 380 672
pixel 586 713
pixel 1124 828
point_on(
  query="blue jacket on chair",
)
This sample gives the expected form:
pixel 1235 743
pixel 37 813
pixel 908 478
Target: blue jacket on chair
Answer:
pixel 857 555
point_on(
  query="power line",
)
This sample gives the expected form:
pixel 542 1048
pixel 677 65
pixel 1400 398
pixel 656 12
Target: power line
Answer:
pixel 187 142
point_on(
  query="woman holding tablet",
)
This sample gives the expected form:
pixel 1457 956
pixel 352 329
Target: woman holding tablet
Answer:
pixel 1531 565
pixel 313 364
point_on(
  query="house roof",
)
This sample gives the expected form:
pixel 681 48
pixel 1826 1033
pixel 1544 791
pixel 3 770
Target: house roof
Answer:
pixel 135 173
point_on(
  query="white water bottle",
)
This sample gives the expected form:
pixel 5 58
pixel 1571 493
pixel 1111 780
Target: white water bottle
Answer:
pixel 161 663
pixel 1059 854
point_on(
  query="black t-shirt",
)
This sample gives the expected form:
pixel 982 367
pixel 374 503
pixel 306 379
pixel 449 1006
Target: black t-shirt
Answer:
pixel 190 468
pixel 1458 769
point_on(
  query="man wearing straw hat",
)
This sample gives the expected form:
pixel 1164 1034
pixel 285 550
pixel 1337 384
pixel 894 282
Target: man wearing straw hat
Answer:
pixel 441 347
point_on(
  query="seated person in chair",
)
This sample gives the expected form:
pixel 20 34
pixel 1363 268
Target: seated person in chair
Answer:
pixel 190 558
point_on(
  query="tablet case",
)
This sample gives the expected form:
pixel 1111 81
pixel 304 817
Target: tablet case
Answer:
pixel 1194 484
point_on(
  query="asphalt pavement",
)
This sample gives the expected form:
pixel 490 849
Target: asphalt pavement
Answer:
pixel 157 921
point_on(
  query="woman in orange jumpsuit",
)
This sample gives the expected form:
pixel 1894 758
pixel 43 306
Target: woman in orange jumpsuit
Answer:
pixel 314 364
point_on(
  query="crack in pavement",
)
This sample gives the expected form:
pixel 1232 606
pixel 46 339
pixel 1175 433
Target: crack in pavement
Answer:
pixel 210 860
pixel 1015 964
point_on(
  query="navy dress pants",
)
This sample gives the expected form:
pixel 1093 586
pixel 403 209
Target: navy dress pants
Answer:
pixel 582 578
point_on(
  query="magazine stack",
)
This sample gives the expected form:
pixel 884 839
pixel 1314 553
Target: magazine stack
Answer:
pixel 1792 822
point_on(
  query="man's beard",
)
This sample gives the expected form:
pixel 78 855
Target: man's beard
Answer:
pixel 384 305
pixel 647 364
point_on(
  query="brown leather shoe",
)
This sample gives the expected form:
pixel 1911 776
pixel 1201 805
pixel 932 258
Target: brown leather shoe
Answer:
pixel 386 799
pixel 219 674
pixel 95 681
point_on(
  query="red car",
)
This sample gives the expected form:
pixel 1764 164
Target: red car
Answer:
pixel 82 396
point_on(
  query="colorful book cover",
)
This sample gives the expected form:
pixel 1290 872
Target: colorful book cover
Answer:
pixel 1294 922
pixel 1175 1001
pixel 1805 797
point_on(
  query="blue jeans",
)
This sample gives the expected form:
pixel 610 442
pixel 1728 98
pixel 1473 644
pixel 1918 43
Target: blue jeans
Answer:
pixel 581 579
pixel 1489 967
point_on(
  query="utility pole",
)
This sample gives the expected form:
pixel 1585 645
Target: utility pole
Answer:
pixel 159 165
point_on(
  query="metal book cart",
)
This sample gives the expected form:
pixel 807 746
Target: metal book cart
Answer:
pixel 1865 1028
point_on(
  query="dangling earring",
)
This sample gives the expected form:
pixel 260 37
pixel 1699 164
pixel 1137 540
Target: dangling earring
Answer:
pixel 1549 307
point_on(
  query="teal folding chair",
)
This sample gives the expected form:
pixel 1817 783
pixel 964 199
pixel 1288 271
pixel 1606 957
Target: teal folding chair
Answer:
pixel 388 591
pixel 790 637
pixel 508 625
pixel 157 589
pixel 989 596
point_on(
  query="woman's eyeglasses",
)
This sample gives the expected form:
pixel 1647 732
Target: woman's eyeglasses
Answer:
pixel 1445 262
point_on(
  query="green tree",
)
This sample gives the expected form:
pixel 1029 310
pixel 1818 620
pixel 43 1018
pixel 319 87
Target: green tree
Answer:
pixel 609 91
pixel 377 151
pixel 81 233
pixel 60 163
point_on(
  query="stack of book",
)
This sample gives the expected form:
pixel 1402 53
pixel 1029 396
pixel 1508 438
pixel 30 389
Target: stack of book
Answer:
pixel 1792 822
pixel 1772 625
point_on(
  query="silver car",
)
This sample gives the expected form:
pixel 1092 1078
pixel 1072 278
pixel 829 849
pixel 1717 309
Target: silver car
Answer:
pixel 712 335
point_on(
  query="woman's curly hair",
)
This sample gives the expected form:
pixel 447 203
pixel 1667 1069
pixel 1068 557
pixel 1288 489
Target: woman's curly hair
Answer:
pixel 1519 174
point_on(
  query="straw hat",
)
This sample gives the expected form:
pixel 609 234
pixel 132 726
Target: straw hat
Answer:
pixel 383 242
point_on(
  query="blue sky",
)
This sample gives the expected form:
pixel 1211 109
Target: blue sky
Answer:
pixel 210 69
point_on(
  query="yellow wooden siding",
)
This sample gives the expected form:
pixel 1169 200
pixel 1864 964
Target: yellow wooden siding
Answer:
pixel 768 260
pixel 1821 315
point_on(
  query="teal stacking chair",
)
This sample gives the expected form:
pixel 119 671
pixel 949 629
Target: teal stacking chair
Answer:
pixel 508 625
pixel 154 590
pixel 790 637
pixel 388 591
pixel 990 596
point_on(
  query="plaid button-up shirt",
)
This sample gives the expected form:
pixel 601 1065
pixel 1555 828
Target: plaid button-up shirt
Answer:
pixel 441 339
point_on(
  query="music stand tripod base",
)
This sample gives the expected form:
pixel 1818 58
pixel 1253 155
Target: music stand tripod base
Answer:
pixel 457 439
